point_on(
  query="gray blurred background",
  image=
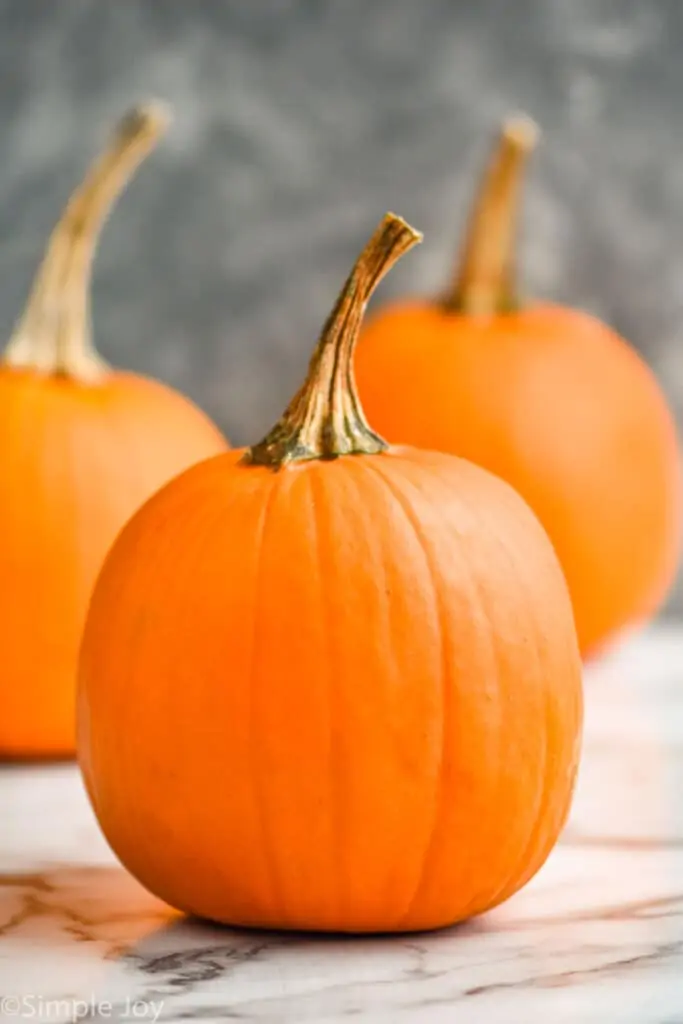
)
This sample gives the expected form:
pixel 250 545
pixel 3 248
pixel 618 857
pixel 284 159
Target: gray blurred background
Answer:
pixel 297 124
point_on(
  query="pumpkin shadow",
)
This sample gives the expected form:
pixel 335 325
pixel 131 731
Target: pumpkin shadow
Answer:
pixel 71 903
pixel 189 950
pixel 104 903
pixel 225 971
pixel 66 913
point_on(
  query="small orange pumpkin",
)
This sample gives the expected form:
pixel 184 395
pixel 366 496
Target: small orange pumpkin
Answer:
pixel 327 684
pixel 548 398
pixel 82 447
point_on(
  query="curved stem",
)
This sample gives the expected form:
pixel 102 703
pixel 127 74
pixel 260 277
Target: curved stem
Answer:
pixel 486 280
pixel 53 336
pixel 324 419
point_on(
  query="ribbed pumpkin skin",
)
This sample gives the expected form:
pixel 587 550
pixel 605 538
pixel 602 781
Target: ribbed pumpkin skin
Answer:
pixel 343 696
pixel 558 405
pixel 77 461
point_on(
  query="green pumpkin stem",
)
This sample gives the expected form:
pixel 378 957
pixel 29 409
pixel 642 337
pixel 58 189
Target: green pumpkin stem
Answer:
pixel 53 336
pixel 485 283
pixel 324 419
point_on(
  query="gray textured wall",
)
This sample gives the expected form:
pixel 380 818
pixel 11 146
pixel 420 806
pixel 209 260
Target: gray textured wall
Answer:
pixel 298 124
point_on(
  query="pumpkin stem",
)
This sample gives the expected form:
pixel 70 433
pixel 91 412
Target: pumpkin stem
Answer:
pixel 53 336
pixel 486 280
pixel 324 419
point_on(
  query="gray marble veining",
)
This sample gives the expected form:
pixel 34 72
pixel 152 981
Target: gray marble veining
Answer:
pixel 596 937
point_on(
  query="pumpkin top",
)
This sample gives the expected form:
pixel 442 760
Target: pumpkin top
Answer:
pixel 324 419
pixel 485 281
pixel 53 336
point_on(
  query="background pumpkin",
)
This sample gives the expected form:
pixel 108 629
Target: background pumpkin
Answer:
pixel 328 684
pixel 549 399
pixel 82 447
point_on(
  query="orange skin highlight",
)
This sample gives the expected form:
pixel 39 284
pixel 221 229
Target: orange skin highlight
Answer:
pixel 554 402
pixel 331 693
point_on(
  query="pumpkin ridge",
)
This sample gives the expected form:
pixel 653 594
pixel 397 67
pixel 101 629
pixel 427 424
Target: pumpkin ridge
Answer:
pixel 336 814
pixel 115 422
pixel 530 852
pixel 493 650
pixel 542 796
pixel 259 798
pixel 404 505
pixel 32 411
pixel 534 844
pixel 496 671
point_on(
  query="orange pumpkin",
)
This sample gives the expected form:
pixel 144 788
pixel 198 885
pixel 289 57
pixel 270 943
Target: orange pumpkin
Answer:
pixel 548 398
pixel 82 447
pixel 327 684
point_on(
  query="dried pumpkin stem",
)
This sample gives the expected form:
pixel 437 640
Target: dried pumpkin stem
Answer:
pixel 324 419
pixel 486 280
pixel 53 336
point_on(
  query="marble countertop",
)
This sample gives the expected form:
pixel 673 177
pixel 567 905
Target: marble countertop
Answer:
pixel 597 936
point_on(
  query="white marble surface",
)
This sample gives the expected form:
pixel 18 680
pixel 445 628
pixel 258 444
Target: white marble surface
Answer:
pixel 596 937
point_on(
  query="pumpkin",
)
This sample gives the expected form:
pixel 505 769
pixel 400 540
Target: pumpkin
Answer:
pixel 548 398
pixel 82 447
pixel 328 684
